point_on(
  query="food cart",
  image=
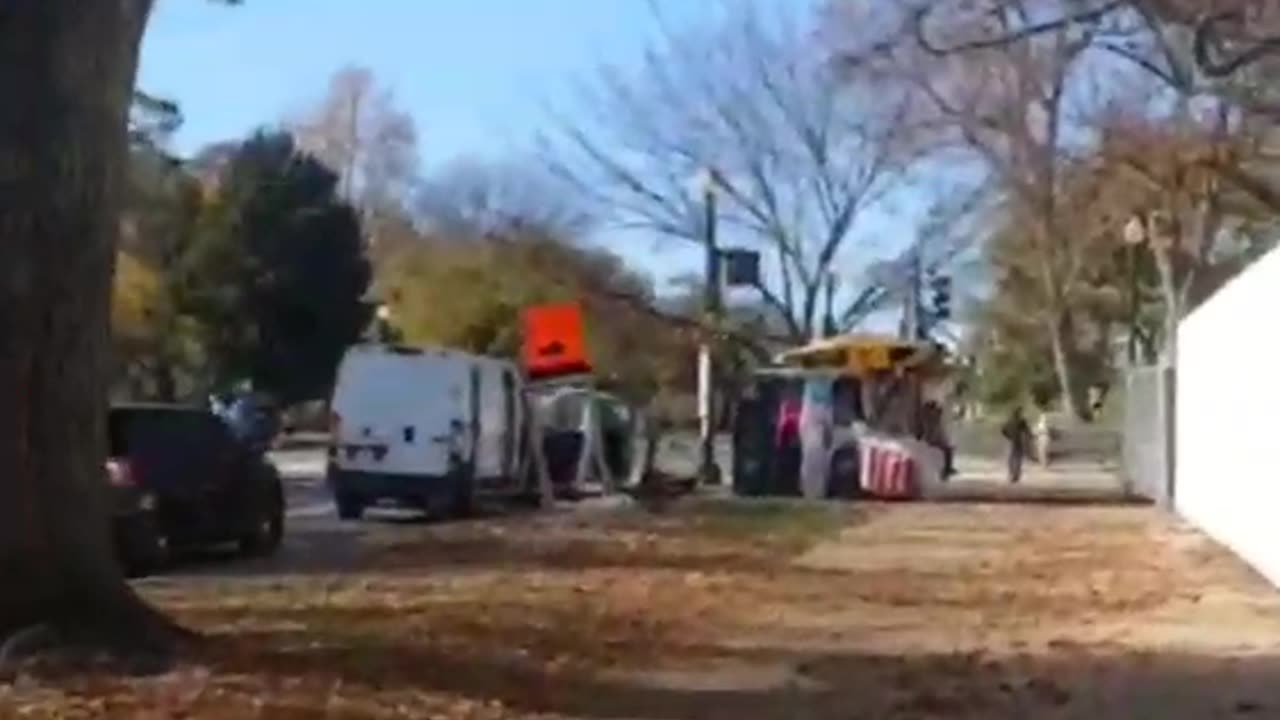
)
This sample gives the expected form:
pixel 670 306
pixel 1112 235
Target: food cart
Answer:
pixel 841 417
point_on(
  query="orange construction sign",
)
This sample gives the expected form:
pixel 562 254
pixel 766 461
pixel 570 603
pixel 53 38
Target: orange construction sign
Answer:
pixel 555 341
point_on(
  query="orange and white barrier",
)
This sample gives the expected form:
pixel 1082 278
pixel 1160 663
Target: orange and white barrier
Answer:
pixel 888 472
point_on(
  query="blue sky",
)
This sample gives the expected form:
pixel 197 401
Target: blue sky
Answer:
pixel 477 75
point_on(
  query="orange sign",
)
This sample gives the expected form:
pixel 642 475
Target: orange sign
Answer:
pixel 554 341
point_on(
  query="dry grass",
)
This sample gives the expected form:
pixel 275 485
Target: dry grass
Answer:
pixel 725 609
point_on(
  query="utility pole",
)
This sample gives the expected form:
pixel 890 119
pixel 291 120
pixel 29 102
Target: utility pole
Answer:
pixel 709 470
pixel 917 293
pixel 1135 234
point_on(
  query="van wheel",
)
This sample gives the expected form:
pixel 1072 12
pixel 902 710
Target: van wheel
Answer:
pixel 350 507
pixel 464 496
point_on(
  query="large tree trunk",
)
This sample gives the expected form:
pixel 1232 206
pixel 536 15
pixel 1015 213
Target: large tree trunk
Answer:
pixel 66 72
pixel 1063 344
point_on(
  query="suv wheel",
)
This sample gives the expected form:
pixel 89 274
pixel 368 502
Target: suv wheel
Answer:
pixel 350 507
pixel 264 536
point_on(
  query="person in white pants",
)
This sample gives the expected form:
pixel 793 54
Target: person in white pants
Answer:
pixel 1044 436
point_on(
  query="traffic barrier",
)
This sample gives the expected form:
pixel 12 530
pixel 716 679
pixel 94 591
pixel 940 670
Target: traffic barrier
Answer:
pixel 888 473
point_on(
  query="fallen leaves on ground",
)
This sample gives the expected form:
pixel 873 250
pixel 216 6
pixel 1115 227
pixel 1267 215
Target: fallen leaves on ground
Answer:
pixel 876 611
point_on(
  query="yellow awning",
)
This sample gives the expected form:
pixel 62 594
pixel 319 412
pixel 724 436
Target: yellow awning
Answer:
pixel 860 353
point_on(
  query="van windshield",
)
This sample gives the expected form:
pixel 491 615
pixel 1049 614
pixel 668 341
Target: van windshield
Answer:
pixel 377 389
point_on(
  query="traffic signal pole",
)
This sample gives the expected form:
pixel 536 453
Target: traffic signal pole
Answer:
pixel 914 326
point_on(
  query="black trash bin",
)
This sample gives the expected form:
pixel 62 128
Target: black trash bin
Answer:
pixel 843 478
pixel 766 459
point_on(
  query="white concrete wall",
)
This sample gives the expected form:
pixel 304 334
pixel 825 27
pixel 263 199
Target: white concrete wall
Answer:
pixel 1227 458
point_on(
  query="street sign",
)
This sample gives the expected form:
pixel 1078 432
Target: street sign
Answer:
pixel 554 341
pixel 741 268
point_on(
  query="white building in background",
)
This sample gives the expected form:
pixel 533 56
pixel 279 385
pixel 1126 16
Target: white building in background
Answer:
pixel 1227 447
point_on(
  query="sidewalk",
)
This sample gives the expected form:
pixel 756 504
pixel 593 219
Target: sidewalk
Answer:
pixel 987 479
pixel 971 467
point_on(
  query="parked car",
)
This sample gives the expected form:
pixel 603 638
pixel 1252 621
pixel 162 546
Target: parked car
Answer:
pixel 428 429
pixel 180 478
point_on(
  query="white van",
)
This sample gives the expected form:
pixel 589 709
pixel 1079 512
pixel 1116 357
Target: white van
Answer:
pixel 424 428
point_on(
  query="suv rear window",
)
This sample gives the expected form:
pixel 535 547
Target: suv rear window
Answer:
pixel 131 429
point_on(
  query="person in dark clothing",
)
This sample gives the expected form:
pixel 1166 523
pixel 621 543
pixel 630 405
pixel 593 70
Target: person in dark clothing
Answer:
pixel 253 421
pixel 935 433
pixel 1018 433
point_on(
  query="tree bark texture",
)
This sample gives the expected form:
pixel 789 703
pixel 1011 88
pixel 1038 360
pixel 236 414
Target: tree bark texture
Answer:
pixel 1062 337
pixel 67 71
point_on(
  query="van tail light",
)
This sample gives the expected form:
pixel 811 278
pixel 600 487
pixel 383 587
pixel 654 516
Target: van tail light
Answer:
pixel 335 432
pixel 120 474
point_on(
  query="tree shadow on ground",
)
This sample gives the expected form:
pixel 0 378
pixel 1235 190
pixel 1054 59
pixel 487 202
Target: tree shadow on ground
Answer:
pixel 323 546
pixel 781 683
pixel 598 641
pixel 323 552
pixel 514 541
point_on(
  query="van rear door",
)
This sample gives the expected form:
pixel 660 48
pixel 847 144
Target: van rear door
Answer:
pixel 396 412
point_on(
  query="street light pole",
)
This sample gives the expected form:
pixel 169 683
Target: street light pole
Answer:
pixel 709 470
pixel 1135 234
pixel 1133 304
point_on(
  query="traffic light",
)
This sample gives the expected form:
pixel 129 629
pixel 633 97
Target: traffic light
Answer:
pixel 941 286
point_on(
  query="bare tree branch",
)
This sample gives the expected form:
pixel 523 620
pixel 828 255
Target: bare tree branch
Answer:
pixel 1004 98
pixel 1026 32
pixel 1209 53
pixel 471 198
pixel 359 133
pixel 1209 41
pixel 799 158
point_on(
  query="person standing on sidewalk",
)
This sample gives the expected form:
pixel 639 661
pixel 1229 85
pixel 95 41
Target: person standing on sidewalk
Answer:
pixel 944 439
pixel 1044 438
pixel 1018 433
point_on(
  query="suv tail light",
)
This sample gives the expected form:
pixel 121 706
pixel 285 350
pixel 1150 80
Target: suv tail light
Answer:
pixel 120 474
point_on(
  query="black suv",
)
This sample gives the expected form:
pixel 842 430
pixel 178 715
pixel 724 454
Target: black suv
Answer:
pixel 180 478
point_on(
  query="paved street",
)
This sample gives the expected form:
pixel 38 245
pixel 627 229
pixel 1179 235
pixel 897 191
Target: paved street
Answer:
pixel 307 498
pixel 316 542
pixel 303 472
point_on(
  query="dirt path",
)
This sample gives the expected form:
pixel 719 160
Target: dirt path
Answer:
pixel 731 610
pixel 1022 611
